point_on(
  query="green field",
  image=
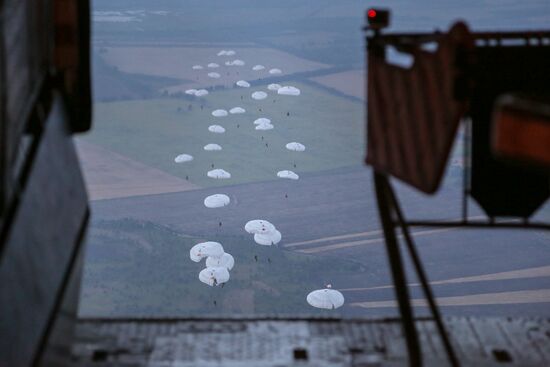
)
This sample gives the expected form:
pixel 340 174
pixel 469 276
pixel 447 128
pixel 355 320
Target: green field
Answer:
pixel 154 131
pixel 140 269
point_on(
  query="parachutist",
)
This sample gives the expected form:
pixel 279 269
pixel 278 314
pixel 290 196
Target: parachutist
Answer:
pixel 266 145
pixel 187 178
pixel 288 113
pixel 220 224
pixel 215 303
pixel 294 165
pixel 256 258
pixel 269 260
pixel 260 109
pixel 238 126
pixel 213 165
pixel 286 196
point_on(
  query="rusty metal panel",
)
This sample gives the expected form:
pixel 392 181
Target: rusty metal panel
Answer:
pixel 413 113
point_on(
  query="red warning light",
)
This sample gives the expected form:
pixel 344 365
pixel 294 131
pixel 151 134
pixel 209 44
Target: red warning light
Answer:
pixel 378 18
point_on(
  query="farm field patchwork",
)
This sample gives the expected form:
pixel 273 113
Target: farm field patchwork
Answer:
pixel 155 131
pixel 139 269
pixel 110 175
pixel 350 82
pixel 177 62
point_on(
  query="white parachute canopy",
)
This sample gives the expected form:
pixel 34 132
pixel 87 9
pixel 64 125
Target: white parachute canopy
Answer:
pixel 262 120
pixel 274 87
pixel 226 53
pixel 205 249
pixel 268 239
pixel 191 92
pixel 213 65
pixel 183 158
pixel 259 95
pixel 264 126
pixel 219 113
pixel 275 71
pixel 259 226
pixel 289 90
pixel 214 276
pixel 264 232
pixel 226 261
pixel 197 67
pixel 237 62
pixel 297 147
pixel 216 129
pixel 243 83
pixel 236 110
pixel 214 75
pixel 216 201
pixel 288 174
pixel 258 67
pixel 329 299
pixel 211 147
pixel 219 174
pixel 201 93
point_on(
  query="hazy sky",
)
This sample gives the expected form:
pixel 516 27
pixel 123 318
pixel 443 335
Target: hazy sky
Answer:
pixel 406 13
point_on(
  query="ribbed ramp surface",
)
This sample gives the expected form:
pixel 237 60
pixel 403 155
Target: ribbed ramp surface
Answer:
pixel 278 343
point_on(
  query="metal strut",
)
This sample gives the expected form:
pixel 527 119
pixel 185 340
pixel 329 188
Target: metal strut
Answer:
pixel 388 208
pixel 453 360
pixel 397 269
